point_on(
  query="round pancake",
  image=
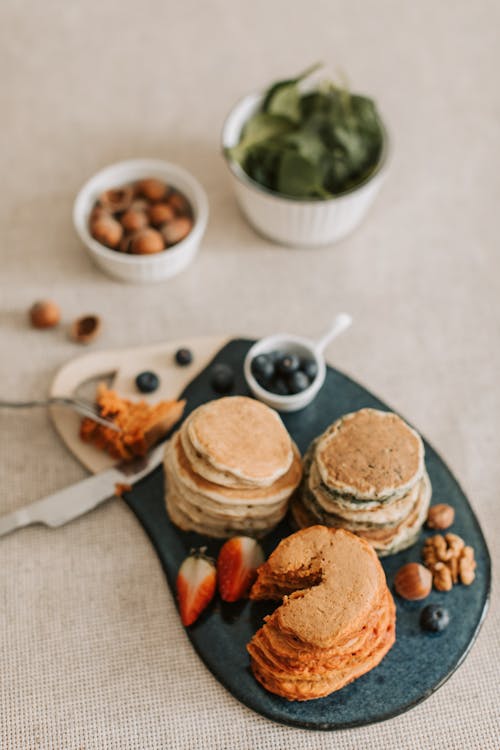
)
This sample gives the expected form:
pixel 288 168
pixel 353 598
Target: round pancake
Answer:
pixel 214 508
pixel 317 664
pixel 203 469
pixel 351 581
pixel 216 521
pixel 242 437
pixel 388 513
pixel 307 689
pixel 386 540
pixel 198 507
pixel 230 496
pixel 215 530
pixel 370 454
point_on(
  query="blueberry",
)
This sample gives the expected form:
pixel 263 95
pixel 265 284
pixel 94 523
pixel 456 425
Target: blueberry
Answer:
pixel 309 367
pixel 435 618
pixel 183 357
pixel 222 378
pixel 262 368
pixel 147 382
pixel 279 387
pixel 287 364
pixel 275 355
pixel 298 382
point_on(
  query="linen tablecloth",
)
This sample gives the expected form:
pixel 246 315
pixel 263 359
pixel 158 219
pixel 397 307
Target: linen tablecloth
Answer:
pixel 92 652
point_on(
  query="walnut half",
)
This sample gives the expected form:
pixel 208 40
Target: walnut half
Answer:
pixel 449 559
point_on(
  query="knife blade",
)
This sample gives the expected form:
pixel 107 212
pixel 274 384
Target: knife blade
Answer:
pixel 81 497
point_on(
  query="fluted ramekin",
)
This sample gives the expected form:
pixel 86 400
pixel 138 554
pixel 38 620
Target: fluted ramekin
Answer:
pixel 292 221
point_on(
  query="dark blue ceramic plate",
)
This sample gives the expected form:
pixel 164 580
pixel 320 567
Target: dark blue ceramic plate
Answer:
pixel 416 666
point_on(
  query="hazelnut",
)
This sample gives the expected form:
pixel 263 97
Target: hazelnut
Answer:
pixel 139 204
pixel 117 199
pixel 176 230
pixel 85 329
pixel 146 242
pixel 440 516
pixel 180 204
pixel 97 213
pixel 45 314
pixel 107 231
pixel 153 190
pixel 133 220
pixel 160 213
pixel 413 581
pixel 125 243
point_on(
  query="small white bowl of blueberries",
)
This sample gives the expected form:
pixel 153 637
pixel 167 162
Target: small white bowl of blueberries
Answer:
pixel 286 371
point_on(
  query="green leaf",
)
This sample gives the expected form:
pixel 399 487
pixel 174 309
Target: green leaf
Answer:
pixel 299 177
pixel 262 161
pixel 283 98
pixel 308 144
pixel 312 145
pixel 286 103
pixel 258 128
pixel 365 112
pixel 353 144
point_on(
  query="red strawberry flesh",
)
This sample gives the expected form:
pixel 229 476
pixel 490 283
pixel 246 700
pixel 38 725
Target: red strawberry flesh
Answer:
pixel 237 565
pixel 196 582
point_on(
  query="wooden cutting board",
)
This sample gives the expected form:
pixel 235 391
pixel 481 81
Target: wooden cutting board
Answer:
pixel 123 365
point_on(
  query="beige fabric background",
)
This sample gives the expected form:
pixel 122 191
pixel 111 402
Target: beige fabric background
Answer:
pixel 92 654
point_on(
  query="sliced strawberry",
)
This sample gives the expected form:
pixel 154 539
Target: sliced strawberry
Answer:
pixel 196 583
pixel 237 566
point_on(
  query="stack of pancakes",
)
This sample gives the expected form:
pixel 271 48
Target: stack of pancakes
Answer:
pixel 337 619
pixel 366 473
pixel 230 469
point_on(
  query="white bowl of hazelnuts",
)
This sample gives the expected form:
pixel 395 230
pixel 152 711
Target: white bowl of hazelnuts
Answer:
pixel 141 220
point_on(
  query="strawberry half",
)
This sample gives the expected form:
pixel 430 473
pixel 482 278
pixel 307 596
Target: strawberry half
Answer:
pixel 195 585
pixel 237 566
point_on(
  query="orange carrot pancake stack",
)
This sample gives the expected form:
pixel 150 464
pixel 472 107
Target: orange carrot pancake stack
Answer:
pixel 337 617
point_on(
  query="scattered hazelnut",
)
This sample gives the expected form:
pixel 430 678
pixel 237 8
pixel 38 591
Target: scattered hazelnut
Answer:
pixel 133 220
pixel 117 199
pixel 147 241
pixel 413 581
pixel 179 203
pixel 152 189
pixel 107 231
pixel 160 213
pixel 85 329
pixel 176 230
pixel 45 314
pixel 440 516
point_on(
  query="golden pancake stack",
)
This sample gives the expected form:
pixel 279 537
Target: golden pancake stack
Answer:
pixel 231 469
pixel 337 618
pixel 366 473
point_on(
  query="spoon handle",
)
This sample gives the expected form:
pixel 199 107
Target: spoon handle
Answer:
pixel 341 322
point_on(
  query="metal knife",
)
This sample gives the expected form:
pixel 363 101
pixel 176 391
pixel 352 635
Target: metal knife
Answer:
pixel 77 499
